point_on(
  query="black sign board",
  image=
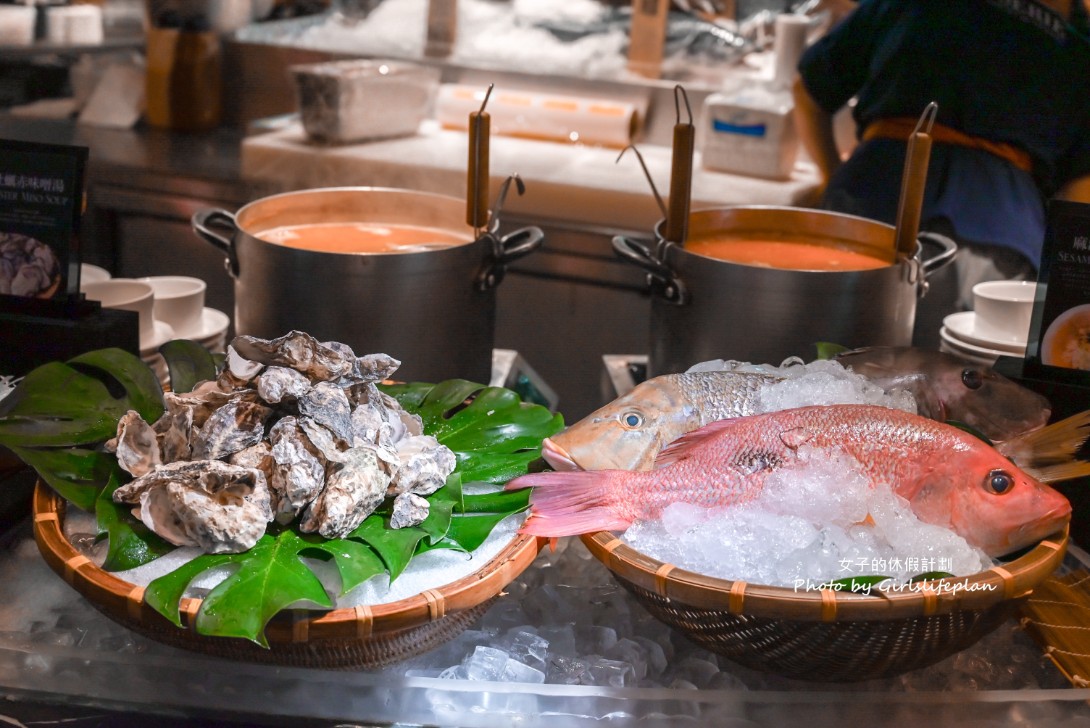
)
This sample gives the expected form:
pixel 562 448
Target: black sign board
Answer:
pixel 1059 335
pixel 41 200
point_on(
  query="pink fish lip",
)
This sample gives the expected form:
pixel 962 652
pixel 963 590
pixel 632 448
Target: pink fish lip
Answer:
pixel 1038 528
pixel 557 457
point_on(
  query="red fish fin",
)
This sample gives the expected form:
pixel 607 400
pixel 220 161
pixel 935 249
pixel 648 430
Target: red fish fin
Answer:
pixel 570 503
pixel 682 447
pixel 1040 451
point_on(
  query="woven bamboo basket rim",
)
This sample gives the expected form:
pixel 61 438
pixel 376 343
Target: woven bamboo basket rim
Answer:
pixel 1011 580
pixel 290 626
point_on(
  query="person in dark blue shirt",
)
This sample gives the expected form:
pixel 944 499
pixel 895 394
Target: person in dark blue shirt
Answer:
pixel 1011 79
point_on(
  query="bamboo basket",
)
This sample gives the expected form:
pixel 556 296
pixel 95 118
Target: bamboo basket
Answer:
pixel 351 638
pixel 828 635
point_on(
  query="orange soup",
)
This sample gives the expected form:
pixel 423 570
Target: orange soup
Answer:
pixel 361 237
pixel 785 254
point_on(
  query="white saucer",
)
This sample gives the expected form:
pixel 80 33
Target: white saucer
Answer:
pixel 213 324
pixel 984 361
pixel 983 352
pixel 163 334
pixel 962 326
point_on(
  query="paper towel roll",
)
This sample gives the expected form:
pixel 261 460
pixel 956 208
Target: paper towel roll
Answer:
pixel 788 43
pixel 541 116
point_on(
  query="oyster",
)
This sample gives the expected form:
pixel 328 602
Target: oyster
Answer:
pixel 299 351
pixel 136 446
pixel 302 474
pixel 353 490
pixel 235 426
pixel 259 457
pixel 237 371
pixel 328 405
pixel 217 507
pixel 277 384
pixel 425 465
pixel 322 440
pixel 174 431
pixel 409 510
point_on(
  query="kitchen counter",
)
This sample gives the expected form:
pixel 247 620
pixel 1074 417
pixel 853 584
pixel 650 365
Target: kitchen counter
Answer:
pixel 571 183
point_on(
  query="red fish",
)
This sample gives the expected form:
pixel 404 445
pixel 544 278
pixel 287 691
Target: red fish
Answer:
pixel 949 477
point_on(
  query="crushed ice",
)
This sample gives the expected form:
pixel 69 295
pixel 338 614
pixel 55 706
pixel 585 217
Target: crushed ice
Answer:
pixel 815 522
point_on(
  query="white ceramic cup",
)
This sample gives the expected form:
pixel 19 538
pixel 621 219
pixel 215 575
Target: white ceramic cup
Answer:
pixel 90 273
pixel 1003 310
pixel 127 294
pixel 179 301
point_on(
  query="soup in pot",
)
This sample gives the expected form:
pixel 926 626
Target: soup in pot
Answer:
pixel 361 237
pixel 785 254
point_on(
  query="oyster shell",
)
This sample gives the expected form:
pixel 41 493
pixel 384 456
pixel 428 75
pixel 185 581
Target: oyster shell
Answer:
pixel 353 490
pixel 301 473
pixel 235 426
pixel 217 507
pixel 425 465
pixel 328 405
pixel 276 384
pixel 322 440
pixel 174 431
pixel 409 510
pixel 238 371
pixel 300 351
pixel 136 446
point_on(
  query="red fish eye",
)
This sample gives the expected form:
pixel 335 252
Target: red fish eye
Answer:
pixel 972 378
pixel 998 482
pixel 631 420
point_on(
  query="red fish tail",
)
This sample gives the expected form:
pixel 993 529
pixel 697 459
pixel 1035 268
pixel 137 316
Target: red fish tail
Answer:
pixel 570 503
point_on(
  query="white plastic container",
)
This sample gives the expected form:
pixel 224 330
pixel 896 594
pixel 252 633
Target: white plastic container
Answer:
pixel 750 132
pixel 359 100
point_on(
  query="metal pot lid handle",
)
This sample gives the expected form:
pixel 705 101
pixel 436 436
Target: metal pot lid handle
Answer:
pixel 660 277
pixel 204 222
pixel 924 267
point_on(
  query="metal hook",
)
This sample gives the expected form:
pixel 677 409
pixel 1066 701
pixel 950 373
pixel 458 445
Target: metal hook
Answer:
pixel 487 94
pixel 679 90
pixel 520 188
pixel 647 174
pixel 929 113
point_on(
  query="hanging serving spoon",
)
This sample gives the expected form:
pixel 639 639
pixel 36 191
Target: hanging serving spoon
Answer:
pixel 913 182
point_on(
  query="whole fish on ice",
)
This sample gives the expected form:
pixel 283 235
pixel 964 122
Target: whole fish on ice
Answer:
pixel 949 477
pixel 629 432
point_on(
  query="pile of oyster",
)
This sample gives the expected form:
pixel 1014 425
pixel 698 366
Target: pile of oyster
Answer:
pixel 291 428
pixel 28 266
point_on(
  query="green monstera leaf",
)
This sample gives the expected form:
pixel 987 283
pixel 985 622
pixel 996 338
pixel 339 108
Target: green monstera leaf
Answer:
pixel 59 417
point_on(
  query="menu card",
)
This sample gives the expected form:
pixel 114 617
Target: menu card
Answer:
pixel 1059 335
pixel 41 200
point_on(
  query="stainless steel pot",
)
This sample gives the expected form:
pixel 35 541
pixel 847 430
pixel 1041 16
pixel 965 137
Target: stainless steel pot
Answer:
pixel 434 309
pixel 704 308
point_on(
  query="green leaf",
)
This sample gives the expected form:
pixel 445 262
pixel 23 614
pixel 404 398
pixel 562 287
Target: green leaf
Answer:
pixel 493 432
pixel 856 584
pixel 828 350
pixel 164 594
pixel 58 405
pixel 395 546
pixel 270 578
pixel 970 429
pixel 469 532
pixel 189 364
pixel 131 543
pixel 505 501
pixel 76 474
pixel 356 562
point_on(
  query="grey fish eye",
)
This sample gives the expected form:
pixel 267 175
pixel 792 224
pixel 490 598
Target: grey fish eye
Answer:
pixel 972 378
pixel 998 482
pixel 631 420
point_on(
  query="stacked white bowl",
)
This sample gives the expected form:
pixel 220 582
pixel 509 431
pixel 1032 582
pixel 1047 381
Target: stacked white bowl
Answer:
pixel 169 307
pixel 997 326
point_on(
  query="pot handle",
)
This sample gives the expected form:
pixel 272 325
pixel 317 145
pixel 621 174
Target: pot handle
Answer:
pixel 509 248
pixel 660 277
pixel 203 223
pixel 943 257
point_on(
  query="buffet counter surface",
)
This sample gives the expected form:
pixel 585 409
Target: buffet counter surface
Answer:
pixel 571 183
